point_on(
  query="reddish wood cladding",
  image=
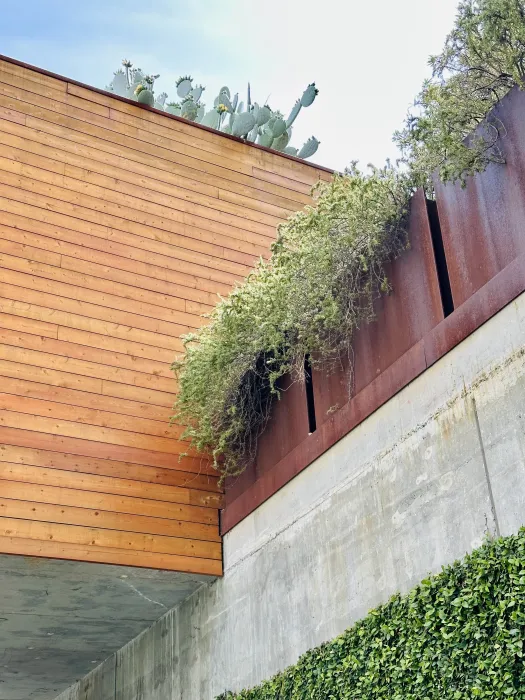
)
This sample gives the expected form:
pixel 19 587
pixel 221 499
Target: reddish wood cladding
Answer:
pixel 119 225
pixel 483 224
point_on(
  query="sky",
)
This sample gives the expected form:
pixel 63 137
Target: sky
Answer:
pixel 368 58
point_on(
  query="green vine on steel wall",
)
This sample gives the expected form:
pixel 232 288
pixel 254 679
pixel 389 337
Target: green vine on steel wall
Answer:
pixel 251 121
pixel 458 635
pixel 328 263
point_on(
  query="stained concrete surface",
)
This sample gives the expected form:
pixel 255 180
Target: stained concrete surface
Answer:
pixel 60 619
pixel 417 485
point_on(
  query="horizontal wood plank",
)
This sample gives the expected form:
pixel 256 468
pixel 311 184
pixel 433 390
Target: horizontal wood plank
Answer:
pixel 103 467
pixel 60 550
pixel 121 487
pixel 53 495
pixel 88 517
pixel 96 537
pixel 119 229
pixel 89 448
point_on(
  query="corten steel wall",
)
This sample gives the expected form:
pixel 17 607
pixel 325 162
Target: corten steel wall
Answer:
pixel 118 227
pixel 482 265
pixel 483 224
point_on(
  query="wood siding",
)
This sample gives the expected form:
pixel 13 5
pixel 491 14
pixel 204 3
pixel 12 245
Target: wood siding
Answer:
pixel 118 228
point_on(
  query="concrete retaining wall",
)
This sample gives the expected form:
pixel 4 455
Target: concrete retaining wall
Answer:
pixel 415 486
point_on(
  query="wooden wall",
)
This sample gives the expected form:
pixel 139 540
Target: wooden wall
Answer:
pixel 118 227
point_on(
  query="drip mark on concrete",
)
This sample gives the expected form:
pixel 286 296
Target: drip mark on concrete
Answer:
pixel 485 465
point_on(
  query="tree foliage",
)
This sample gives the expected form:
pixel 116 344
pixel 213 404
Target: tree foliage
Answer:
pixel 483 58
pixel 457 636
pixel 326 267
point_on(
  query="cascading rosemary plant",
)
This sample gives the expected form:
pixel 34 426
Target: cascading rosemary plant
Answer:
pixel 327 264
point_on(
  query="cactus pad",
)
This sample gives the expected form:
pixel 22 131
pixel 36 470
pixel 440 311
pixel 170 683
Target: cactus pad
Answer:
pixel 309 95
pixel 183 85
pixel 265 138
pixel 145 97
pixel 263 115
pixel 196 93
pixel 243 124
pixel 293 114
pixel 281 141
pixel 278 127
pixel 309 148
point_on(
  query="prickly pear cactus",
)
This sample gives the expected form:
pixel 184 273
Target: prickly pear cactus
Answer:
pixel 263 115
pixel 243 124
pixel 281 141
pixel 173 108
pixel 309 148
pixel 224 100
pixel 119 84
pixel 144 95
pixel 309 95
pixel 196 93
pixel 229 115
pixel 161 100
pixel 278 127
pixel 183 85
pixel 265 138
pixel 253 134
pixel 294 113
pixel 211 119
pixel 189 109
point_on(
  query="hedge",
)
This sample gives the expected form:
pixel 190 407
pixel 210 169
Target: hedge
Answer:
pixel 458 635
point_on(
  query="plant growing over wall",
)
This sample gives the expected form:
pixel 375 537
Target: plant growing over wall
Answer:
pixel 458 635
pixel 483 58
pixel 326 268
pixel 253 122
pixel 328 262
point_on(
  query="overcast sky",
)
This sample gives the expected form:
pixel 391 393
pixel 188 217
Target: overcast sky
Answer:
pixel 368 58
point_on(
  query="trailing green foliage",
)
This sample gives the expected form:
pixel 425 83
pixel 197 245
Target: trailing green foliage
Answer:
pixel 457 636
pixel 483 58
pixel 326 268
pixel 328 262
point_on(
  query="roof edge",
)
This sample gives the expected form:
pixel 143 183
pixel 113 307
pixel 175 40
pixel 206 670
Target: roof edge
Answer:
pixel 63 78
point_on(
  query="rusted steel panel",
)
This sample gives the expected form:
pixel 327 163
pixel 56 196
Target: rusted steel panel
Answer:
pixel 402 318
pixel 288 427
pixel 336 426
pixel 391 342
pixel 483 304
pixel 483 225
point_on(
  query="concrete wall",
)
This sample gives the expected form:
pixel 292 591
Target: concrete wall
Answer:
pixel 415 486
